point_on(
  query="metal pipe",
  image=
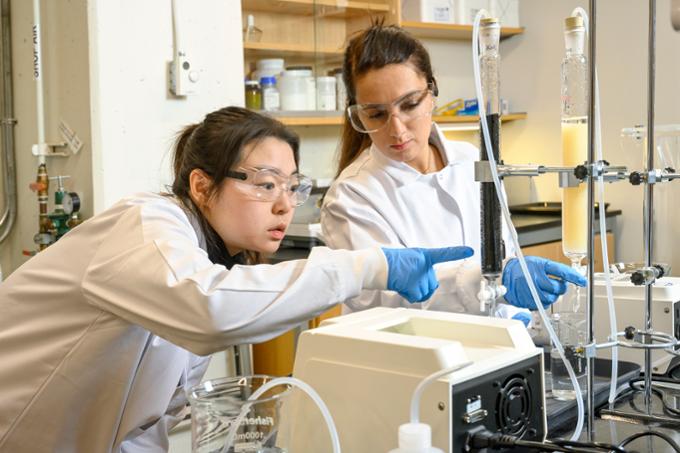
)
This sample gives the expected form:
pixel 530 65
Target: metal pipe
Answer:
pixel 38 77
pixel 648 215
pixel 8 122
pixel 590 298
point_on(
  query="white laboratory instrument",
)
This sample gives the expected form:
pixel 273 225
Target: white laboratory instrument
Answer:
pixel 629 302
pixel 366 365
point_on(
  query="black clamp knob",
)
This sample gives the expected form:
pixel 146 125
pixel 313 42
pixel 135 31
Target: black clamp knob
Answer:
pixel 635 178
pixel 637 278
pixel 581 172
pixel 629 332
pixel 660 271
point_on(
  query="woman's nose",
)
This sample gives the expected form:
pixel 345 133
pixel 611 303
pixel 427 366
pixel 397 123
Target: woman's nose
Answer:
pixel 283 203
pixel 396 126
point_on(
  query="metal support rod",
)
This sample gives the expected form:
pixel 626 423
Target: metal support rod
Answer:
pixel 242 360
pixel 8 123
pixel 648 215
pixel 590 299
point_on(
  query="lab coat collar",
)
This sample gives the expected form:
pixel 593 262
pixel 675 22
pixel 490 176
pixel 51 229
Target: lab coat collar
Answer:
pixel 404 174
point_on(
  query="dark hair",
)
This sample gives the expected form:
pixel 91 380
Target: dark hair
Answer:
pixel 216 146
pixel 374 48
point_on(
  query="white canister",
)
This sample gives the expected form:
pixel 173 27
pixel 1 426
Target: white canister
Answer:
pixel 293 90
pixel 268 67
pixel 325 93
pixel 310 88
pixel 340 91
pixel 311 93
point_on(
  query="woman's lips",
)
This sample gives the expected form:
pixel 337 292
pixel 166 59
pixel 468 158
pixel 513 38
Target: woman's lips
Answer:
pixel 277 233
pixel 400 146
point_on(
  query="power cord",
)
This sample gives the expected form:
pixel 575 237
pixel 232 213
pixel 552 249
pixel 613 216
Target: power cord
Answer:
pixel 496 441
pixel 661 435
pixel 656 390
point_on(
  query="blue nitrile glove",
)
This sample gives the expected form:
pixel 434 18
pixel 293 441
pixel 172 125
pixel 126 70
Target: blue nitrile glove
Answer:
pixel 524 317
pixel 541 270
pixel 410 271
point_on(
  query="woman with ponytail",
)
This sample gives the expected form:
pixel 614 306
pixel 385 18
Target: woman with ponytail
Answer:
pixel 102 332
pixel 401 183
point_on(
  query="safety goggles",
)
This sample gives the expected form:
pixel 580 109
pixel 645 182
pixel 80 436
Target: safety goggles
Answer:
pixel 367 118
pixel 267 184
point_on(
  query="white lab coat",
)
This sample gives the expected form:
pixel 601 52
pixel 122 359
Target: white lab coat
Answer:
pixel 376 200
pixel 100 334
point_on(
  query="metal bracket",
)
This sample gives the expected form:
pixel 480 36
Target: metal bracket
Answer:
pixel 590 350
pixel 568 180
pixel 483 171
pixel 49 150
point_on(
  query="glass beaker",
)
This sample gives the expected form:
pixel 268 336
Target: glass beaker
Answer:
pixel 215 405
pixel 569 321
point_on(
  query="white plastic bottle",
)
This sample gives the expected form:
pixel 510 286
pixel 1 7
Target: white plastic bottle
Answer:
pixel 325 93
pixel 270 95
pixel 415 438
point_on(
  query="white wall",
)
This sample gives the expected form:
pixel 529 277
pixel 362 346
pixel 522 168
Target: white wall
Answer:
pixel 134 118
pixel 105 66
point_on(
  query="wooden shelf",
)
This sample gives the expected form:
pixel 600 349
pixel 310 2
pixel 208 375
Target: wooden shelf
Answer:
pixel 323 8
pixel 312 118
pixel 465 119
pixel 279 50
pixel 451 31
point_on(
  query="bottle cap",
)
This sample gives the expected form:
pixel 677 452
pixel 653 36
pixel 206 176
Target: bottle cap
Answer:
pixel 489 22
pixel 573 23
pixel 414 436
pixel 268 80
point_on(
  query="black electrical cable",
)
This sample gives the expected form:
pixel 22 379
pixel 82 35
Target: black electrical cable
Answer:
pixel 674 412
pixel 608 447
pixel 674 373
pixel 549 446
pixel 658 392
pixel 489 440
pixel 661 435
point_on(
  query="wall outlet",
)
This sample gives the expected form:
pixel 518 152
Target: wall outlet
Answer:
pixel 183 77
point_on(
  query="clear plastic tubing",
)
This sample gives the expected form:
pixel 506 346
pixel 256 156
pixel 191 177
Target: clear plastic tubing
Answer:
pixel 295 383
pixel 513 233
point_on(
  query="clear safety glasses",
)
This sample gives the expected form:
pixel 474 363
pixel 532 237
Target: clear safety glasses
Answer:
pixel 267 184
pixel 369 118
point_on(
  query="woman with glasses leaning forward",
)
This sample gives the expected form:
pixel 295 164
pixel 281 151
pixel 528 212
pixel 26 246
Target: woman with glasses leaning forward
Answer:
pixel 401 183
pixel 102 332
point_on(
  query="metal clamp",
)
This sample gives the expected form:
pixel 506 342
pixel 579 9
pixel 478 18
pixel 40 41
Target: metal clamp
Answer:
pixel 654 176
pixel 640 339
pixel 49 149
pixel 591 350
pixel 646 275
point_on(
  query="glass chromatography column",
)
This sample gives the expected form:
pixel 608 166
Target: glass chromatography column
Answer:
pixel 492 243
pixel 568 315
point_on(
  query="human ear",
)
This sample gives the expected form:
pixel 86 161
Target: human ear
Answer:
pixel 200 185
